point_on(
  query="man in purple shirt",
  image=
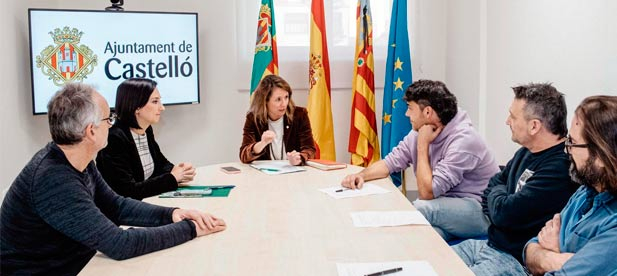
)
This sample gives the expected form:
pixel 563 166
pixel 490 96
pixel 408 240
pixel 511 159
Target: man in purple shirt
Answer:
pixel 450 159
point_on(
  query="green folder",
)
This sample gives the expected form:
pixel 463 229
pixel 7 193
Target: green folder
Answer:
pixel 216 191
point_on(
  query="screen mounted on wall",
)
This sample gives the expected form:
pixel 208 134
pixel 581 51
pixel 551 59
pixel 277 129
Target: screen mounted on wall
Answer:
pixel 103 48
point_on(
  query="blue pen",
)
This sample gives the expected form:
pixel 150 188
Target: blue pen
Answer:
pixel 268 169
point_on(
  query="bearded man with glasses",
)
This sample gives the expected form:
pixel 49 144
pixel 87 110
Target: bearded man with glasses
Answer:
pixel 581 239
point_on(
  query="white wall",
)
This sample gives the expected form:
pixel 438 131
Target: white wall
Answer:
pixel 204 134
pixel 22 134
pixel 571 43
pixel 463 54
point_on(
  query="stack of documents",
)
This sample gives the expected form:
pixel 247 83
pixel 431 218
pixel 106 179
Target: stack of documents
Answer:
pixel 387 218
pixel 325 165
pixel 276 167
pixel 415 268
pixel 340 192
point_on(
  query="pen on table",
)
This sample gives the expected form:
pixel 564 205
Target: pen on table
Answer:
pixel 388 271
pixel 268 169
pixel 340 190
pixel 186 194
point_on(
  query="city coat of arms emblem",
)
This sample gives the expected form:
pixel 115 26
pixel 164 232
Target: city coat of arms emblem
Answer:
pixel 67 60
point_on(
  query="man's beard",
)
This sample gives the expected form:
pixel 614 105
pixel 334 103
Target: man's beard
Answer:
pixel 588 175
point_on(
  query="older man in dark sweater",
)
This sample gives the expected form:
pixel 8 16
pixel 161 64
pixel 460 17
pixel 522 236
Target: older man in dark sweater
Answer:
pixel 530 189
pixel 59 211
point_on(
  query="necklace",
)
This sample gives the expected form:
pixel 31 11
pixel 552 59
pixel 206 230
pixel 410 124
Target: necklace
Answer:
pixel 272 151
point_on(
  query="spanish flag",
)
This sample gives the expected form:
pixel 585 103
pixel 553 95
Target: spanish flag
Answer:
pixel 363 141
pixel 265 61
pixel 319 105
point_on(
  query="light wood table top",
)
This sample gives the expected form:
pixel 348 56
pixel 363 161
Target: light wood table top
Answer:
pixel 282 225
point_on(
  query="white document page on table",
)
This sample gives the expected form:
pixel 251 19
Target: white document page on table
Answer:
pixel 387 218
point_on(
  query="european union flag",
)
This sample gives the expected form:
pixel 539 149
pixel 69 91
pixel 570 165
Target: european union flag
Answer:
pixel 396 125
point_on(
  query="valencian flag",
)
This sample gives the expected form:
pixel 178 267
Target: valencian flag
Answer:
pixel 319 105
pixel 363 141
pixel 265 61
pixel 396 125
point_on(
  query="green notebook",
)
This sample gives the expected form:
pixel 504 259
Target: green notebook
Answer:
pixel 199 191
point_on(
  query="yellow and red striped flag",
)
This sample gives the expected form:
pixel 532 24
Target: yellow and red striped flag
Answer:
pixel 265 61
pixel 319 100
pixel 363 141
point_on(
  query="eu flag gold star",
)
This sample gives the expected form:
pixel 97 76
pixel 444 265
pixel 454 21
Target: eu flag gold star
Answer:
pixel 398 84
pixel 394 102
pixel 387 118
pixel 398 64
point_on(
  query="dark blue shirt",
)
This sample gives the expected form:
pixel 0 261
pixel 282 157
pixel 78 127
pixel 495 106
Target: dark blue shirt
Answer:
pixel 54 219
pixel 524 195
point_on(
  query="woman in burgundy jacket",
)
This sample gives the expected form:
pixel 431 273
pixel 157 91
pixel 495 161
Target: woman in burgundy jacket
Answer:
pixel 276 129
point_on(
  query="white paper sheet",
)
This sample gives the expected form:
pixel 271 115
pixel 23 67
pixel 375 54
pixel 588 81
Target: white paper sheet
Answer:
pixel 367 189
pixel 387 218
pixel 409 268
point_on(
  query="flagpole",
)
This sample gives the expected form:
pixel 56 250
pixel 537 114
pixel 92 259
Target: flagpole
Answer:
pixel 403 183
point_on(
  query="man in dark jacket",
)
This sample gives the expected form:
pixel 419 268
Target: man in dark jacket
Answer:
pixel 530 189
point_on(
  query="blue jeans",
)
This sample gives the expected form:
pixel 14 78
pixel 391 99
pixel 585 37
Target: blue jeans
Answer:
pixel 485 260
pixel 454 217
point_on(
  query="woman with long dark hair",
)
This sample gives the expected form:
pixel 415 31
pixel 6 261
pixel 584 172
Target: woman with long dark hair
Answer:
pixel 132 163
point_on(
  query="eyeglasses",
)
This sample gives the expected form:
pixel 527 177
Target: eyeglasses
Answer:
pixel 570 144
pixel 111 120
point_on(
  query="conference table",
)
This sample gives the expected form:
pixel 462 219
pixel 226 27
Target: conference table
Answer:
pixel 283 225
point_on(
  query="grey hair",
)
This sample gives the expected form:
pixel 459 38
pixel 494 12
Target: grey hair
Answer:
pixel 545 103
pixel 70 111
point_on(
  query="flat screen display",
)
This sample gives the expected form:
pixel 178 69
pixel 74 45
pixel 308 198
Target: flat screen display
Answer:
pixel 103 48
